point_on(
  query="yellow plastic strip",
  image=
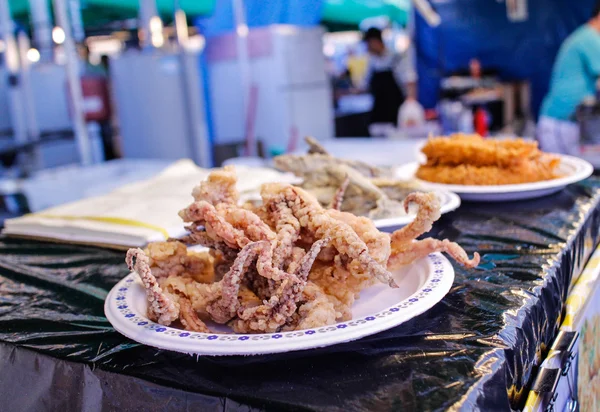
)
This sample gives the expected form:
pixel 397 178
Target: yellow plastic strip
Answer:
pixel 534 402
pixel 582 289
pixel 107 219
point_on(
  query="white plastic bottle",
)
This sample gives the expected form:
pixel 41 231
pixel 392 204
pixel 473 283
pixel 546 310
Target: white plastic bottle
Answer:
pixel 411 114
pixel 465 121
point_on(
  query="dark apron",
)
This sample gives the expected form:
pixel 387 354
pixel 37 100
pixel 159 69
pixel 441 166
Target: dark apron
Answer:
pixel 387 97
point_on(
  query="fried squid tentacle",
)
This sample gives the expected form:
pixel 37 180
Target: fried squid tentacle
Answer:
pixel 247 221
pixel 161 308
pixel 294 261
pixel 200 237
pixel 309 258
pixel 218 188
pixel 405 249
pixel 287 227
pixel 317 221
pixel 222 310
pixel 266 268
pixel 428 213
pixel 272 314
pixel 315 147
pixel 203 213
pixel 315 310
pixel 189 318
pixel 410 252
pixel 338 198
pixel 281 306
pixel 348 243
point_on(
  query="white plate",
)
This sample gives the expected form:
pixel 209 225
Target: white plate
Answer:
pixel 421 286
pixel 449 202
pixel 574 169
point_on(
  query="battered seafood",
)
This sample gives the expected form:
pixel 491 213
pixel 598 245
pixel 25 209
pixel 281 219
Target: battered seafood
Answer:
pixel 472 160
pixel 370 191
pixel 286 264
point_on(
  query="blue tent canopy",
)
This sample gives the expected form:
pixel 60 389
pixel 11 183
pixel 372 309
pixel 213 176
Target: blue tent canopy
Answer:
pixel 262 13
pixel 480 28
pixel 304 13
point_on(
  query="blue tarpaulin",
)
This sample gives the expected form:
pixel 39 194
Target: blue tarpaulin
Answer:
pixel 480 28
pixel 259 13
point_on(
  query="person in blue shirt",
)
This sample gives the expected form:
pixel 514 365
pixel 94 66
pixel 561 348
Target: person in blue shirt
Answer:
pixel 574 78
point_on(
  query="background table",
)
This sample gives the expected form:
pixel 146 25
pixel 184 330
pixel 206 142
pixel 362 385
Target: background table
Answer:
pixel 479 347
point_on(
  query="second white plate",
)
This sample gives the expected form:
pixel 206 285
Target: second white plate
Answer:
pixel 572 168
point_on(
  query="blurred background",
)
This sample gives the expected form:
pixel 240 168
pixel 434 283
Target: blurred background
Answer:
pixel 111 91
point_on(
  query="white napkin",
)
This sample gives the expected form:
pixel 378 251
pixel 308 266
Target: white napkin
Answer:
pixel 135 214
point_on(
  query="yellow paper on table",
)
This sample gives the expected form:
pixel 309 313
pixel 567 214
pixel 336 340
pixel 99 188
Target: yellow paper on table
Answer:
pixel 135 214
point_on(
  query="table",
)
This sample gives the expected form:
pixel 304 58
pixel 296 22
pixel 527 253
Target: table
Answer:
pixel 478 348
pixel 376 151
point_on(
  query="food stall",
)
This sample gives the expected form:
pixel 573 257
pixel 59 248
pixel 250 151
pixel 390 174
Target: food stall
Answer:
pixel 366 274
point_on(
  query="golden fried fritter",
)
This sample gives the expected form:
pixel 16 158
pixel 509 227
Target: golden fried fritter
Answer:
pixel 473 160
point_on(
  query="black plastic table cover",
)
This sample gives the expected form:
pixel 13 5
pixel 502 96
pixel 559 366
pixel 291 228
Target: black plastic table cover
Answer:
pixel 478 349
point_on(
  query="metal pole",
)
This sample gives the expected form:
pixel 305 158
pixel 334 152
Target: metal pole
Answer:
pixel 239 12
pixel 11 57
pixel 192 92
pixel 147 12
pixel 33 158
pixel 76 21
pixel 11 62
pixel 197 132
pixel 181 27
pixel 42 28
pixel 74 83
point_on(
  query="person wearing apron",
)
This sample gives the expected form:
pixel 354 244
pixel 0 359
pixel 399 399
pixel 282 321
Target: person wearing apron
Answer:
pixel 390 79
